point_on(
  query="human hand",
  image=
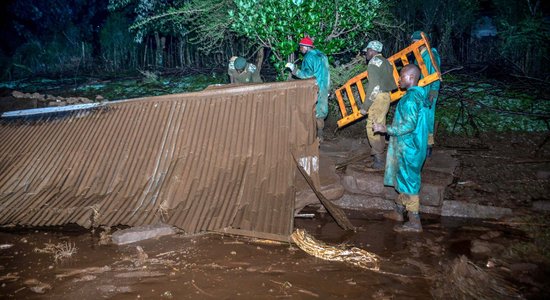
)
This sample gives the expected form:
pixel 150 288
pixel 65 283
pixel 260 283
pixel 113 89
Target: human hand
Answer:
pixel 378 127
pixel 363 112
pixel 233 58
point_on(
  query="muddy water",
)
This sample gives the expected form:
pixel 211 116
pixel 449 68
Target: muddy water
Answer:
pixel 212 266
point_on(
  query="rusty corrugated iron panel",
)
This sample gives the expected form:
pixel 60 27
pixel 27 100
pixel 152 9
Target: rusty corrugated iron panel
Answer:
pixel 214 160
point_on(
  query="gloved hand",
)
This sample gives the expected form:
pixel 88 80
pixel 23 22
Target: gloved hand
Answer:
pixel 290 66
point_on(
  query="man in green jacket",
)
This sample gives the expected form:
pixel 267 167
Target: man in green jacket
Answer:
pixel 315 64
pixel 240 71
pixel 407 149
pixel 432 89
pixel 377 102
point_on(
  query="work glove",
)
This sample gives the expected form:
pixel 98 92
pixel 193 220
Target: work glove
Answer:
pixel 290 66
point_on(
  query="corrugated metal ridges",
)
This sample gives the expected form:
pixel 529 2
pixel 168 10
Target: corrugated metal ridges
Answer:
pixel 200 161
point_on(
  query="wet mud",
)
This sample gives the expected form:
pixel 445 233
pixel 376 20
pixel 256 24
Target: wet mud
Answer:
pixel 214 266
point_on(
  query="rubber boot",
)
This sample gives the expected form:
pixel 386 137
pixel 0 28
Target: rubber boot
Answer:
pixel 320 126
pixel 320 135
pixel 429 151
pixel 379 162
pixel 396 214
pixel 413 225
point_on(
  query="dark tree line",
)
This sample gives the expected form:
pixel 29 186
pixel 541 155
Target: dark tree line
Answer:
pixel 102 36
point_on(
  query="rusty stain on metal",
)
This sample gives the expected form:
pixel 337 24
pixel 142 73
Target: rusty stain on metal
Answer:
pixel 216 160
pixel 400 58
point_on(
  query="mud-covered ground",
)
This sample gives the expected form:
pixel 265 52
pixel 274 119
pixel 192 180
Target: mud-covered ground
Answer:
pixel 226 267
pixel 501 258
pixel 501 169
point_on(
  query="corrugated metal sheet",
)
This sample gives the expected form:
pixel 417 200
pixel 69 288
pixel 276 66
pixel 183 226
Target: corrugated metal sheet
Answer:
pixel 214 160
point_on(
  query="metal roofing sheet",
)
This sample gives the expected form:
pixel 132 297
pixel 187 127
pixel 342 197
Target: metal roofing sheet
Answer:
pixel 213 160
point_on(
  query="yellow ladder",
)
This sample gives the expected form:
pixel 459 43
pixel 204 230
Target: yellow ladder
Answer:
pixel 400 59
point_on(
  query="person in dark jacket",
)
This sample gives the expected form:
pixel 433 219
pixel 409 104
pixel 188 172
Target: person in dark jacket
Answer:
pixel 377 102
pixel 241 71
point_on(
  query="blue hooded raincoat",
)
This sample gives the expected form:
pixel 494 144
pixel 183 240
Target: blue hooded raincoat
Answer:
pixel 408 142
pixel 315 64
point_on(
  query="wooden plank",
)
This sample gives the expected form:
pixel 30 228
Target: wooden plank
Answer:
pixel 335 211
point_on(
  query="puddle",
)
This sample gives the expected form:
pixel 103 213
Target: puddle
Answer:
pixel 217 266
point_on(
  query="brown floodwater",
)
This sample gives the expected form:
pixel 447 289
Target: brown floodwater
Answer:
pixel 214 266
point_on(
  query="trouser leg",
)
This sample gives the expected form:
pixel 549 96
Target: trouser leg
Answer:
pixel 411 202
pixel 377 114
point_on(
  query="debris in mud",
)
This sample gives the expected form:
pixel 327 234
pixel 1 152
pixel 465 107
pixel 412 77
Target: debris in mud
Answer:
pixel 85 278
pixel 465 280
pixel 5 246
pixel 139 274
pixel 114 289
pixel 87 271
pixel 139 233
pixel 60 251
pixel 105 236
pixel 9 277
pixel 141 256
pixel 355 256
pixel 167 294
pixel 37 286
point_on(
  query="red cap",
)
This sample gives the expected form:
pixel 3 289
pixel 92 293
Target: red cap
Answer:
pixel 308 42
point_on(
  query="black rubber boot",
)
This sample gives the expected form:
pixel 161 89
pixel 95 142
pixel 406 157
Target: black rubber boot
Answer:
pixel 379 162
pixel 396 214
pixel 429 152
pixel 413 225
